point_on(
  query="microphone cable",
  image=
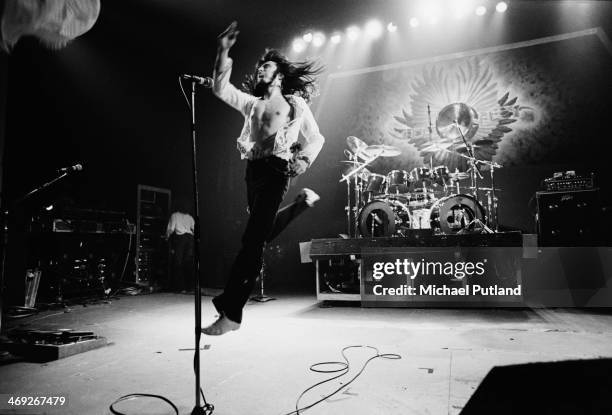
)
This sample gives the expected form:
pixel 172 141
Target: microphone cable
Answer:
pixel 343 369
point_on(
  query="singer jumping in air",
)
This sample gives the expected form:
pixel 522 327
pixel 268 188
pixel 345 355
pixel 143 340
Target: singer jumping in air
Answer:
pixel 276 111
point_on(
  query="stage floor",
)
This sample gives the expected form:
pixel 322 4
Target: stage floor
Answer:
pixel 263 367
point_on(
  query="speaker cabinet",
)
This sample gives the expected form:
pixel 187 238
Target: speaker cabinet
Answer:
pixel 548 388
pixel 571 218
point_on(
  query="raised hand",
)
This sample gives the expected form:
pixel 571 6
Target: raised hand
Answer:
pixel 228 37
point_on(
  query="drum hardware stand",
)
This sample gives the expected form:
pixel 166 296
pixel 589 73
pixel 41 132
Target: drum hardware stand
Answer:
pixel 475 175
pixel 358 195
pixel 352 212
pixel 347 178
pixel 492 206
pixel 376 219
pixel 493 199
pixel 355 209
pixel 208 408
pixel 348 208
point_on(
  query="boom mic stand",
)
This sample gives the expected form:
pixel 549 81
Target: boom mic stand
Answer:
pixel 6 210
pixel 207 409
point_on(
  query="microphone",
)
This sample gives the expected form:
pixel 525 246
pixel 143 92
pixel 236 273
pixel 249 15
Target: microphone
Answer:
pixel 70 169
pixel 205 81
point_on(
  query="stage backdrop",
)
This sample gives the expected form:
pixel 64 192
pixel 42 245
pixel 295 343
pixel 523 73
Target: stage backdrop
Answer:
pixel 536 106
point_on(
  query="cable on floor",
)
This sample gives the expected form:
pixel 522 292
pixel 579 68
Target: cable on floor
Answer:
pixel 342 368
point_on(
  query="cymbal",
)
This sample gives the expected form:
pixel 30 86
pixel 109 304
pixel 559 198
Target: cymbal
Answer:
pixel 354 143
pixel 455 120
pixel 378 150
pixel 351 162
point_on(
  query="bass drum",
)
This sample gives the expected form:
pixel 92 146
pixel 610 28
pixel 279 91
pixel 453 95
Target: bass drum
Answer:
pixel 384 217
pixel 453 214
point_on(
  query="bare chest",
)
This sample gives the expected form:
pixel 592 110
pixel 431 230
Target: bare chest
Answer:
pixel 272 112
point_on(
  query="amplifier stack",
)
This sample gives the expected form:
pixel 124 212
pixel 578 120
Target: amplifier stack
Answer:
pixel 569 211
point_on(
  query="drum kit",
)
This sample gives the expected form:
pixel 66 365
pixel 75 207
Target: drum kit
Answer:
pixel 427 197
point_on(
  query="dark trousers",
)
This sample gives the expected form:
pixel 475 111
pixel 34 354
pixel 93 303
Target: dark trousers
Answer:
pixel 182 265
pixel 267 184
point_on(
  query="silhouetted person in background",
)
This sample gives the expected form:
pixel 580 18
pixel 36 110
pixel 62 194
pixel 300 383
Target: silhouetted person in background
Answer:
pixel 180 237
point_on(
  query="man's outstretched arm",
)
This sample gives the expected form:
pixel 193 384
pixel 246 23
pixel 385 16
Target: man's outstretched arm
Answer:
pixel 225 41
pixel 223 70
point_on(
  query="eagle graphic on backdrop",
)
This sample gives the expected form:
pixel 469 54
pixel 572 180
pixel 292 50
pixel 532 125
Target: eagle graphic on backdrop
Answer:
pixel 462 103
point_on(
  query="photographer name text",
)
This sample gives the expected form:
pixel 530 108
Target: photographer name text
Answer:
pixel 432 289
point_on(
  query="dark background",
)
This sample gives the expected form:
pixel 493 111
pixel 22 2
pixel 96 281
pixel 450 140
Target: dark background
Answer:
pixel 110 100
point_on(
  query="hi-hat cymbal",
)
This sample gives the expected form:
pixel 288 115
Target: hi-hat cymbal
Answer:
pixel 354 143
pixel 378 150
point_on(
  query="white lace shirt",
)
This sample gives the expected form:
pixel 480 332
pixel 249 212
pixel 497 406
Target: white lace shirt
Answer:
pixel 310 142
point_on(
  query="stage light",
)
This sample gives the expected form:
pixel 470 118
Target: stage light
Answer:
pixel 392 27
pixel 49 208
pixel 308 37
pixel 501 7
pixel 336 38
pixel 352 32
pixel 481 10
pixel 414 22
pixel 318 39
pixel 374 28
pixel 299 45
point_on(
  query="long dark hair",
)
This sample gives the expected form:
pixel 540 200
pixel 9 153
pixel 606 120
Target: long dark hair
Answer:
pixel 299 78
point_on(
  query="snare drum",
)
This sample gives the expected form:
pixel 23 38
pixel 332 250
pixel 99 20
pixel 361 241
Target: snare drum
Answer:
pixel 397 181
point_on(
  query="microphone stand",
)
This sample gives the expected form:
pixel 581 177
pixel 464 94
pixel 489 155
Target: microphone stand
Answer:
pixel 6 210
pixel 207 408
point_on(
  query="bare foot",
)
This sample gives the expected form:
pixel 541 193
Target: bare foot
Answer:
pixel 221 326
